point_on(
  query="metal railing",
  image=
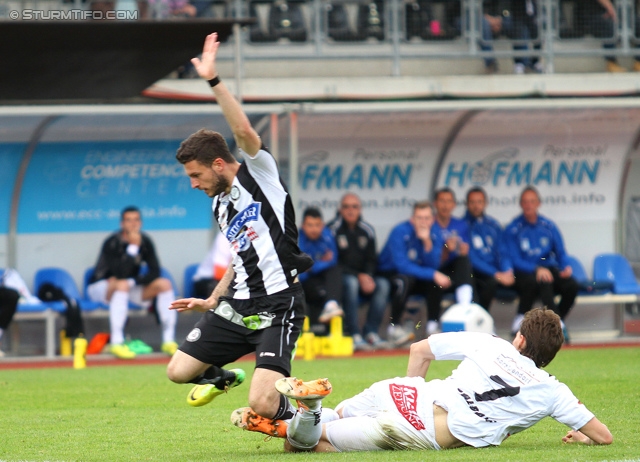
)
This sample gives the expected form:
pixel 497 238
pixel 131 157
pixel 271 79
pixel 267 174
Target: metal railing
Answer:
pixel 378 29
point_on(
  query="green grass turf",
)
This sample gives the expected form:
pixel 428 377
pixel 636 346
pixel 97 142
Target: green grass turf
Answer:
pixel 122 413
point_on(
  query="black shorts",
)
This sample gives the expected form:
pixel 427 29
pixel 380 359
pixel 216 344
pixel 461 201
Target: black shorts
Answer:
pixel 272 336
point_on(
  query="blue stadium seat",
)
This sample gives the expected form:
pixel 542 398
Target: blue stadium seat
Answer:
pixel 189 272
pixel 61 278
pixel 27 307
pixel 615 269
pixel 587 286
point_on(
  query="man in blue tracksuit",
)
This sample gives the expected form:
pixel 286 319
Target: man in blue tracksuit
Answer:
pixel 487 250
pixel 539 260
pixel 322 283
pixel 410 259
pixel 454 234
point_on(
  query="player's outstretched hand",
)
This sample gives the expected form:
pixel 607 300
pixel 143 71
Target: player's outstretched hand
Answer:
pixel 206 64
pixel 196 304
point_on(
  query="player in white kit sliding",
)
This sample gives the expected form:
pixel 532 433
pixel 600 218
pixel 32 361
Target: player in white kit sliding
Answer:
pixel 497 390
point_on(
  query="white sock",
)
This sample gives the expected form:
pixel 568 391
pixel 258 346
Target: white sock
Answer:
pixel 118 307
pixel 464 294
pixel 168 317
pixel 305 429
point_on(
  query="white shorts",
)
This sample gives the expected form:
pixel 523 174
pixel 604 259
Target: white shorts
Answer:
pixel 97 292
pixel 391 414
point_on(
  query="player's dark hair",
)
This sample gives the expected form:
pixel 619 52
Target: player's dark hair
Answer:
pixel 129 208
pixel 204 146
pixel 445 190
pixel 542 331
pixel 312 212
pixel 477 189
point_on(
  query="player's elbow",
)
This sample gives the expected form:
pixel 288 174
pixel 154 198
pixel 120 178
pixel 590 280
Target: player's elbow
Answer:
pixel 607 438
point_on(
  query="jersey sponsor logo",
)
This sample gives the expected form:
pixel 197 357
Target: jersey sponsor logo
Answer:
pixel 239 233
pixel 514 370
pixel 406 400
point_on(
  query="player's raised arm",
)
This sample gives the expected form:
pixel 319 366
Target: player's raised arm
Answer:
pixel 244 134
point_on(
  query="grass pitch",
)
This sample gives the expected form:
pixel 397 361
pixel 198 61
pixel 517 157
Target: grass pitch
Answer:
pixel 133 413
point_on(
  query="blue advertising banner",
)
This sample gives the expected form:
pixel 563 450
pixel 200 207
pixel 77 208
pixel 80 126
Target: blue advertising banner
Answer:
pixel 83 186
pixel 10 156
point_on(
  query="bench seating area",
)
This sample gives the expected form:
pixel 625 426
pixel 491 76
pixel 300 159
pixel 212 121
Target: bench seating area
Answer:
pixel 48 312
pixel 613 283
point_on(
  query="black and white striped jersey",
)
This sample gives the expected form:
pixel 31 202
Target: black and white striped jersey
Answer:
pixel 258 219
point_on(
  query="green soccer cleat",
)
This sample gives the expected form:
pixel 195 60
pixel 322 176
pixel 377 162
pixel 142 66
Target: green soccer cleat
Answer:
pixel 204 394
pixel 139 347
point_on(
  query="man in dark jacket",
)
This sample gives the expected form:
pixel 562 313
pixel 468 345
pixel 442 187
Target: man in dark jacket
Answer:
pixel 118 278
pixel 356 242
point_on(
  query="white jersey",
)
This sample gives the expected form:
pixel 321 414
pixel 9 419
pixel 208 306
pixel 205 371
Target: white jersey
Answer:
pixel 258 219
pixel 496 392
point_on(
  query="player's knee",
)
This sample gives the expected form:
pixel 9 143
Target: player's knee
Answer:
pixel 121 285
pixel 175 374
pixel 164 285
pixel 263 406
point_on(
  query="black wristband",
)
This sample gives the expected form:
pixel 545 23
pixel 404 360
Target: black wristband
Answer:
pixel 214 81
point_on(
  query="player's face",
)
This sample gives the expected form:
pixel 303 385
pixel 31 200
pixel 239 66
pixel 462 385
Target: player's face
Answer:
pixel 131 223
pixel 444 205
pixel 529 203
pixel 476 204
pixel 312 227
pixel 350 209
pixel 422 219
pixel 207 179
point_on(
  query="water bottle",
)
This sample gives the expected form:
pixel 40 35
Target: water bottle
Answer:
pixel 79 353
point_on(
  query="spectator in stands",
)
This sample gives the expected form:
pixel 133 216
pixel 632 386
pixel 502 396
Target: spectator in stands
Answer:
pixel 454 234
pixel 118 278
pixel 599 18
pixel 410 259
pixel 520 23
pixel 539 259
pixel 488 253
pixel 357 257
pixel 166 9
pixel 212 268
pixel 8 305
pixel 322 283
pixel 490 27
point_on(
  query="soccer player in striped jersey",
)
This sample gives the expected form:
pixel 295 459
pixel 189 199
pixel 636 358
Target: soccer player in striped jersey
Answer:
pixel 258 305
